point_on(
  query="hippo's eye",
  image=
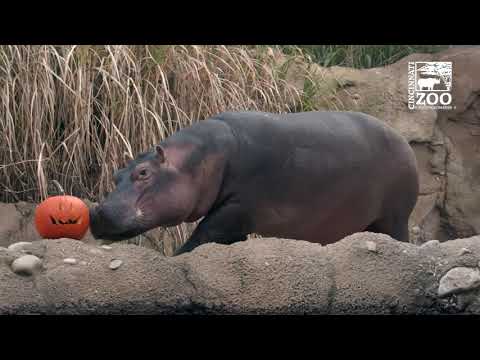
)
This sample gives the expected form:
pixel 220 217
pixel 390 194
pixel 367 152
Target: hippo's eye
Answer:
pixel 142 174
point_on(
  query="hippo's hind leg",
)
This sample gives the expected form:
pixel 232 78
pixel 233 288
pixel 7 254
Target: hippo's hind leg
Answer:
pixel 399 204
pixel 224 226
pixel 397 228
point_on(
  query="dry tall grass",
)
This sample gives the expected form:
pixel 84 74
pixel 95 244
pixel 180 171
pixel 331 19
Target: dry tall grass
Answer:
pixel 74 113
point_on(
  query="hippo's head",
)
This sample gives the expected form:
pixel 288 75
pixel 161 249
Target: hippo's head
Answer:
pixel 149 192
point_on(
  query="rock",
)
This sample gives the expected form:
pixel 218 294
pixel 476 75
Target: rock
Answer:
pixel 115 264
pixel 459 279
pixel 416 230
pixel 371 246
pixel 454 150
pixel 18 246
pixel 70 261
pixel 106 247
pixel 464 251
pixel 431 243
pixel 83 263
pixel 26 265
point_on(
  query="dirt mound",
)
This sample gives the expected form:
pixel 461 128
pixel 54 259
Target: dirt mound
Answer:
pixel 364 273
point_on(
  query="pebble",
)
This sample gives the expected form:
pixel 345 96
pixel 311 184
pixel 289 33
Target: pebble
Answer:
pixel 83 263
pixel 115 264
pixel 431 242
pixel 70 261
pixel 106 247
pixel 416 230
pixel 459 279
pixel 18 246
pixel 26 265
pixel 371 246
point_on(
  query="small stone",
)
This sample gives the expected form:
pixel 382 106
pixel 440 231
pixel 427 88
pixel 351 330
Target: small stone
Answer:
pixel 106 247
pixel 431 242
pixel 371 246
pixel 464 251
pixel 26 265
pixel 18 246
pixel 70 261
pixel 115 264
pixel 83 263
pixel 266 263
pixel 459 279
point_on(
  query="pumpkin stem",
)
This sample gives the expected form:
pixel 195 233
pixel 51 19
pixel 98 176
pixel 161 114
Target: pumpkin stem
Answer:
pixel 59 187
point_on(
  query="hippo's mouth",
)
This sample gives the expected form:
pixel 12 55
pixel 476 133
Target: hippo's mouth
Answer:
pixel 103 228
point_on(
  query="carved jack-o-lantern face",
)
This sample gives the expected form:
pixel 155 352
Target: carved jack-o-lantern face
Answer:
pixel 62 217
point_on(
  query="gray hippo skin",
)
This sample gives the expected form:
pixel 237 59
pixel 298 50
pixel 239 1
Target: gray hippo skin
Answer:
pixel 315 176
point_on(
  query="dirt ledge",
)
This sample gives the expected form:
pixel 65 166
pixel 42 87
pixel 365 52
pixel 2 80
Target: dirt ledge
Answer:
pixel 364 273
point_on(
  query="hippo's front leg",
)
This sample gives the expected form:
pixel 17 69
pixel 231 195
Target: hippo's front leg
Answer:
pixel 226 225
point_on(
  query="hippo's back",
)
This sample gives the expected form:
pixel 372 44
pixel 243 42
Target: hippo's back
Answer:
pixel 318 131
pixel 312 149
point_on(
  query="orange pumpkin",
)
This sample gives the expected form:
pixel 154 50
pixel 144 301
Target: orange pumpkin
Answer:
pixel 62 216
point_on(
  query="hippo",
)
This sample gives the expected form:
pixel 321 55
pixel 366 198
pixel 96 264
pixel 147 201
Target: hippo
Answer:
pixel 317 176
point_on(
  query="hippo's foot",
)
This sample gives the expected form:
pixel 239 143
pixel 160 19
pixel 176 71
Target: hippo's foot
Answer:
pixel 195 241
pixel 221 227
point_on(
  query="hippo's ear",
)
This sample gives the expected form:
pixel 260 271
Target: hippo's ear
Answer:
pixel 160 153
pixel 127 157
